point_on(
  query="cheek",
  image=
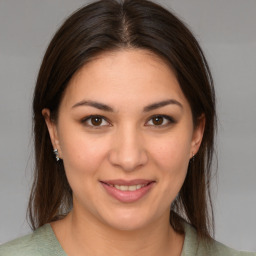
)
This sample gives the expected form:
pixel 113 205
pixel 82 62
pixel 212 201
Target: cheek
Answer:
pixel 82 154
pixel 83 157
pixel 172 159
pixel 172 154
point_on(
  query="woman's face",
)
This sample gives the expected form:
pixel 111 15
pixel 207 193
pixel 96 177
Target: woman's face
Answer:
pixel 125 134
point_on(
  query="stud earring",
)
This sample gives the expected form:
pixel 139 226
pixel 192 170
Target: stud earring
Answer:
pixel 192 158
pixel 55 151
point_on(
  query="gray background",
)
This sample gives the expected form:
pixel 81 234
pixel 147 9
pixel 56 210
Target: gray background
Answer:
pixel 226 30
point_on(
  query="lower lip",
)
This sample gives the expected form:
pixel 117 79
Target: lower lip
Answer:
pixel 127 196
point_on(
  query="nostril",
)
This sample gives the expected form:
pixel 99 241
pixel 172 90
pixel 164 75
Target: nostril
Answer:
pixel 128 159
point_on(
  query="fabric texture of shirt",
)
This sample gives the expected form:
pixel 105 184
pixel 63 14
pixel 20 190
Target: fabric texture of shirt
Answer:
pixel 43 242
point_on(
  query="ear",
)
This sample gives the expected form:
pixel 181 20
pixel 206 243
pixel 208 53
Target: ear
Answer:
pixel 198 134
pixel 52 129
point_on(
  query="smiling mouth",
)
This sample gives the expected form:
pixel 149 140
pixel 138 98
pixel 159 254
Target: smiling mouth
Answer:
pixel 128 191
pixel 128 185
pixel 128 188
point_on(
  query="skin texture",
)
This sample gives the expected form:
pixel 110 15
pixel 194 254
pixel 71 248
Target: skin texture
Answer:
pixel 127 144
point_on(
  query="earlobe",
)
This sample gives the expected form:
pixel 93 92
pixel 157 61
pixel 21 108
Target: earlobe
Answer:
pixel 198 135
pixel 51 125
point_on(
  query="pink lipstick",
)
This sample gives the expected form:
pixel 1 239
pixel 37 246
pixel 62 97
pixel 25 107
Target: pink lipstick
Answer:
pixel 128 191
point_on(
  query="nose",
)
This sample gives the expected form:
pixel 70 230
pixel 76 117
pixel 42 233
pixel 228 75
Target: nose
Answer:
pixel 128 151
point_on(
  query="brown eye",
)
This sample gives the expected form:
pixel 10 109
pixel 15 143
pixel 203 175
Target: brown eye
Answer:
pixel 96 121
pixel 158 120
pixel 161 121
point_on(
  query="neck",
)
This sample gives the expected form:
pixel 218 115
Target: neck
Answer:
pixel 82 236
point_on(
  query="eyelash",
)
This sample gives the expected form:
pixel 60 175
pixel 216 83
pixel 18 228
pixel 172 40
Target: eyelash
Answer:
pixel 169 119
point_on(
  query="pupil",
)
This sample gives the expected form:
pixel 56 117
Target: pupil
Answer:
pixel 96 121
pixel 158 120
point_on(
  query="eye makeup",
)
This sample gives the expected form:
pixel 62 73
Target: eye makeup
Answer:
pixel 156 121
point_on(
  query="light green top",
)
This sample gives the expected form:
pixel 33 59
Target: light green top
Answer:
pixel 43 242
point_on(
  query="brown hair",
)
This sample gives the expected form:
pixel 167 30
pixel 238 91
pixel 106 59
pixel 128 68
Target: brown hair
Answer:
pixel 111 25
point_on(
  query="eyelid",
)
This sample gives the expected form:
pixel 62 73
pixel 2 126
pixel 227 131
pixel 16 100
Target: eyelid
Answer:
pixel 170 120
pixel 85 119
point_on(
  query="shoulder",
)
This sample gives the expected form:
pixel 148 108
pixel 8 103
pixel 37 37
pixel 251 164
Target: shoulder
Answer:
pixel 193 246
pixel 40 242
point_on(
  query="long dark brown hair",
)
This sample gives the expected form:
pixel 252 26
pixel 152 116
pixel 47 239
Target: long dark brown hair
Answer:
pixel 106 26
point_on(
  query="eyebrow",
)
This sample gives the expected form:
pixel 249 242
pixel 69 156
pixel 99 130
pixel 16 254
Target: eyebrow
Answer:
pixel 107 108
pixel 162 104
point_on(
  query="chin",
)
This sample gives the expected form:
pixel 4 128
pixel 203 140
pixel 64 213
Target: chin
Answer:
pixel 127 225
pixel 127 221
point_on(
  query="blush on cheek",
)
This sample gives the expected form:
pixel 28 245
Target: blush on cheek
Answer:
pixel 167 154
pixel 172 158
pixel 83 155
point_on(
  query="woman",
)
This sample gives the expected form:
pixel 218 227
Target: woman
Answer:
pixel 125 99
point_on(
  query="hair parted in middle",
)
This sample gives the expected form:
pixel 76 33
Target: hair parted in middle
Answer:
pixel 112 25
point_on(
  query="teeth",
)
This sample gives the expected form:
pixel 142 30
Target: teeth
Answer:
pixel 132 188
pixel 129 188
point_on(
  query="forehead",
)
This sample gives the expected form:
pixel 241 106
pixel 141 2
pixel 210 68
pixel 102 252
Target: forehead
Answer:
pixel 124 76
pixel 125 60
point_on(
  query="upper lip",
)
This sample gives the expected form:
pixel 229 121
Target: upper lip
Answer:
pixel 127 182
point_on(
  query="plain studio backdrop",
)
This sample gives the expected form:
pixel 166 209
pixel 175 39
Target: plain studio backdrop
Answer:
pixel 226 31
